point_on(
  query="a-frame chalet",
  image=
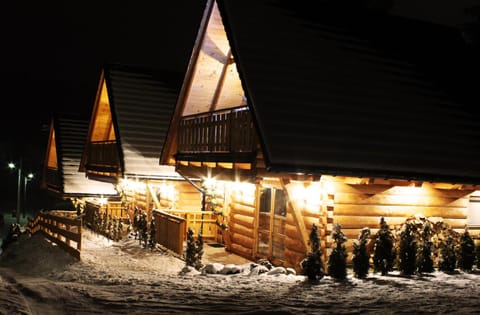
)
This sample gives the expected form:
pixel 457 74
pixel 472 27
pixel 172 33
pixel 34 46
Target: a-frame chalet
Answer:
pixel 61 177
pixel 300 113
pixel 128 126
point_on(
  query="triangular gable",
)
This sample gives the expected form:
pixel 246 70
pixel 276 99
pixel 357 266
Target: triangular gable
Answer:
pixel 215 82
pixel 50 170
pixel 212 81
pixel 52 159
pixel 102 122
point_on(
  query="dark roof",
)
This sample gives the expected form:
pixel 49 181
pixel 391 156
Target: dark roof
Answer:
pixel 354 92
pixel 70 136
pixel 142 102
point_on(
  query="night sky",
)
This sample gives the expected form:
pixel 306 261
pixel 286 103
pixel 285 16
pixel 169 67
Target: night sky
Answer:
pixel 52 53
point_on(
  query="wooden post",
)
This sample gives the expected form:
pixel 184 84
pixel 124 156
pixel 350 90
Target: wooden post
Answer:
pixel 297 215
pixel 79 244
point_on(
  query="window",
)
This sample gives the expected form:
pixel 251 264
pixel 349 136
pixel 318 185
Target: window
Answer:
pixel 474 211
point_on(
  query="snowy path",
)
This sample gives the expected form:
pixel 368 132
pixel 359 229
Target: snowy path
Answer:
pixel 122 278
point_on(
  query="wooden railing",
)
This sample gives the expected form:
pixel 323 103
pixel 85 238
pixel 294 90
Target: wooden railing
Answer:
pixel 224 131
pixel 63 228
pixel 198 220
pixel 169 231
pixel 103 153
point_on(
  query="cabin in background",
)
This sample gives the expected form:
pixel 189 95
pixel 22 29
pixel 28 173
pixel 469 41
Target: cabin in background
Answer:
pixel 307 115
pixel 128 125
pixel 61 177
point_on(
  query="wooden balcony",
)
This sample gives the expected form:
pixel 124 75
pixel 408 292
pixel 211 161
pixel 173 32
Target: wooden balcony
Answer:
pixel 103 156
pixel 224 134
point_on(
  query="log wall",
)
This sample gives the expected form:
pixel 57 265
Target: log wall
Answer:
pixel 362 205
pixel 241 220
pixel 308 203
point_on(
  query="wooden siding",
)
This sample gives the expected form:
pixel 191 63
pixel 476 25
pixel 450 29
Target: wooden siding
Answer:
pixel 358 206
pixel 241 222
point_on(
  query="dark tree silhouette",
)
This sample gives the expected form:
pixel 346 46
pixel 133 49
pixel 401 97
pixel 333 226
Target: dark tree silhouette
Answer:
pixel 448 258
pixel 384 254
pixel 312 265
pixel 337 261
pixel 361 256
pixel 424 259
pixel 466 255
pixel 407 253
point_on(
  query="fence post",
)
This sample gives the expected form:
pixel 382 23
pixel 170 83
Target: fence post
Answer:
pixel 79 244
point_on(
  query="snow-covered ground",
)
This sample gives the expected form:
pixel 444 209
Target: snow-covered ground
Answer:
pixel 37 277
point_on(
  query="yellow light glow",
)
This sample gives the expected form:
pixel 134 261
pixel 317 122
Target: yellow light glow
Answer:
pixel 167 191
pixel 328 187
pixel 102 201
pixel 209 183
pixel 132 185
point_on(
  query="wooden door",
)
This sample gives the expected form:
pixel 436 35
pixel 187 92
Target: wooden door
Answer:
pixel 271 224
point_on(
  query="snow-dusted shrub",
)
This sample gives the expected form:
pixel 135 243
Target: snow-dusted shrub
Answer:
pixel 194 251
pixel 448 258
pixel 312 265
pixel 424 255
pixel 337 261
pixel 407 253
pixel 384 254
pixel 361 256
pixel 466 254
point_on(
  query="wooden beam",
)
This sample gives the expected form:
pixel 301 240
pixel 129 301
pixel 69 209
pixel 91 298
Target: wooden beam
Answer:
pixel 154 196
pixel 298 218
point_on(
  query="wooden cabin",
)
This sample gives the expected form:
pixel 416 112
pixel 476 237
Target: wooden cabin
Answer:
pixel 61 177
pixel 128 125
pixel 293 115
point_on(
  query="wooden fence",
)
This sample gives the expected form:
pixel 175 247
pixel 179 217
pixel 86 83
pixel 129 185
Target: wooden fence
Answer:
pixel 169 230
pixel 63 228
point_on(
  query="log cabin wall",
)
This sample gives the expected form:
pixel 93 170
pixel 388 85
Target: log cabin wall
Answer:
pixel 309 200
pixel 362 205
pixel 241 199
pixel 178 195
pixel 162 195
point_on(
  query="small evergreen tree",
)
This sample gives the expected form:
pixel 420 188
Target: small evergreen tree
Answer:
pixel 424 258
pixel 361 257
pixel 151 240
pixel 407 253
pixel 337 261
pixel 194 252
pixel 312 265
pixel 191 251
pixel 448 258
pixel 466 257
pixel 199 252
pixel 384 254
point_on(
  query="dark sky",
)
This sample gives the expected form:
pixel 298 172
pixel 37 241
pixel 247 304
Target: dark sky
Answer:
pixel 52 52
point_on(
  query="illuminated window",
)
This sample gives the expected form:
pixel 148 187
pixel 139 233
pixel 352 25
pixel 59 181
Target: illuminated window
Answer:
pixel 474 211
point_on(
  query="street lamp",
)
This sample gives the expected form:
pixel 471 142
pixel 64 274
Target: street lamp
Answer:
pixel 19 185
pixel 26 179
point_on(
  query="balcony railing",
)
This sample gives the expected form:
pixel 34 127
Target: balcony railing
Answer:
pixel 224 131
pixel 103 154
